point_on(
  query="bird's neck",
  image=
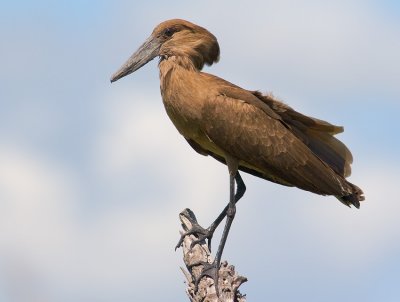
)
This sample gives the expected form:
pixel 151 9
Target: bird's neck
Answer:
pixel 178 85
pixel 184 62
pixel 175 70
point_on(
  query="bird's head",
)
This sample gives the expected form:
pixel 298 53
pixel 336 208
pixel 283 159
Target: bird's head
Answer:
pixel 174 38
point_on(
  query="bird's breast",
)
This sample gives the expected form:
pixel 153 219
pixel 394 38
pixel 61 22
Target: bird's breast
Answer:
pixel 185 93
pixel 182 98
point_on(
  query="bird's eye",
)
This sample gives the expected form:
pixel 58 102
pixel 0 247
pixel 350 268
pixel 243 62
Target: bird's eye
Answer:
pixel 169 32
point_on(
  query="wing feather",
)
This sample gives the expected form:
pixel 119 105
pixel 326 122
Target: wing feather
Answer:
pixel 317 134
pixel 266 145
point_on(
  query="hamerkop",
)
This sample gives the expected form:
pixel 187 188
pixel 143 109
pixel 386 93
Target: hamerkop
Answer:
pixel 245 130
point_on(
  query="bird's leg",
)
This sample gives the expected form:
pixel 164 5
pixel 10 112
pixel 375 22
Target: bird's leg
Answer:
pixel 240 189
pixel 211 269
pixel 208 233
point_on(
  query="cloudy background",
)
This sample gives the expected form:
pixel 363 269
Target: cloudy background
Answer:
pixel 93 175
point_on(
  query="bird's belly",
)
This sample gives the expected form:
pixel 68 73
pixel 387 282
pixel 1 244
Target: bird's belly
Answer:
pixel 185 124
pixel 189 126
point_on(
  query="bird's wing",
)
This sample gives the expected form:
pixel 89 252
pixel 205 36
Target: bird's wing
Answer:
pixel 249 130
pixel 318 135
pixel 203 151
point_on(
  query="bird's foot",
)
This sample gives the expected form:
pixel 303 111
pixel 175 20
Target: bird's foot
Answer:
pixel 192 227
pixel 201 233
pixel 209 270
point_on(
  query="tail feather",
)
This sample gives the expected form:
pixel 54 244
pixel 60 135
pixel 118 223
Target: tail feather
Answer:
pixel 318 136
pixel 353 198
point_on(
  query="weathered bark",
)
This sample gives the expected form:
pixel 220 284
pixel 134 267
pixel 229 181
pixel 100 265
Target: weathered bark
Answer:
pixel 228 281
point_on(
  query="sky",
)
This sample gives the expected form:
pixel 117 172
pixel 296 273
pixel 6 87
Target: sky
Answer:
pixel 93 175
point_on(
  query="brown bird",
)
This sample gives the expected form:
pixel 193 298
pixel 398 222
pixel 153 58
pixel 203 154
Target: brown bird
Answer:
pixel 243 129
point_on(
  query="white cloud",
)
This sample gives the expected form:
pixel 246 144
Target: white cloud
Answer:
pixel 139 135
pixel 49 237
pixel 37 205
pixel 47 241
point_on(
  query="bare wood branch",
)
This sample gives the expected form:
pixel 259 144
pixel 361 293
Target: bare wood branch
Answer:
pixel 228 282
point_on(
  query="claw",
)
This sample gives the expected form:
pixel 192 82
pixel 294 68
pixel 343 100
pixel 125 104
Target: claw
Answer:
pixel 209 270
pixel 199 232
pixel 202 236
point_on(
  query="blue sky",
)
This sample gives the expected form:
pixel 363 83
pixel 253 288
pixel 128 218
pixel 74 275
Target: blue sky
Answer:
pixel 93 175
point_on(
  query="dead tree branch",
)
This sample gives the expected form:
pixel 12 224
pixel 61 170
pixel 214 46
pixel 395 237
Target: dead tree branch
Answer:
pixel 228 281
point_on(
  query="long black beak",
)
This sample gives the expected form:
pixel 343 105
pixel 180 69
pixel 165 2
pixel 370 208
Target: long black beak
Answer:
pixel 147 52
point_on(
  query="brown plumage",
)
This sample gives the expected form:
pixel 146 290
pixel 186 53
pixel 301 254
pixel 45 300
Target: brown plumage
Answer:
pixel 264 136
pixel 244 129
